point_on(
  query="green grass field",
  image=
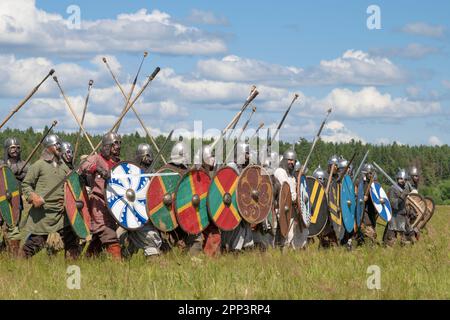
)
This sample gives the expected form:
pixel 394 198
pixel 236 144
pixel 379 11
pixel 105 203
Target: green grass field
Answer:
pixel 421 271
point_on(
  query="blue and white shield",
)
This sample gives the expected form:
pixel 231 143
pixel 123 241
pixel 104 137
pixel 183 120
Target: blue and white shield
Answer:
pixel 348 203
pixel 303 202
pixel 380 201
pixel 360 203
pixel 126 195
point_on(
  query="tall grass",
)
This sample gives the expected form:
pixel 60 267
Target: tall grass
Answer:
pixel 420 271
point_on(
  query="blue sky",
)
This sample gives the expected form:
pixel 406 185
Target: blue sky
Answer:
pixel 385 85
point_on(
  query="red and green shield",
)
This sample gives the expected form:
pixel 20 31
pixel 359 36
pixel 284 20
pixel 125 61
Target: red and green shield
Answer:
pixel 160 204
pixel 190 201
pixel 9 197
pixel 221 199
pixel 77 205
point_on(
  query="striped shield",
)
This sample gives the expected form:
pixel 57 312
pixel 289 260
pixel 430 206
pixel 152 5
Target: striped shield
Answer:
pixel 9 197
pixel 190 201
pixel 319 206
pixel 76 202
pixel 335 210
pixel 221 199
pixel 160 204
pixel 126 195
pixel 380 201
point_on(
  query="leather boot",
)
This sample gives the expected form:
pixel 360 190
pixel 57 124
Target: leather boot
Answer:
pixel 72 253
pixel 115 251
pixel 212 243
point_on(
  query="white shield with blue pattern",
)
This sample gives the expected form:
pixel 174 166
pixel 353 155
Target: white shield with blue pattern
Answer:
pixel 380 201
pixel 126 195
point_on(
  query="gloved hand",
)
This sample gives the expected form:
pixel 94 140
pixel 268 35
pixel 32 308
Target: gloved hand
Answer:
pixel 36 200
pixel 105 174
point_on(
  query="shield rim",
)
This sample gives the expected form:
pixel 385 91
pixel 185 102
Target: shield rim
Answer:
pixel 291 210
pixel 207 199
pixel 12 207
pixel 417 222
pixel 165 167
pixel 327 216
pixel 338 235
pixel 354 199
pixel 109 210
pixel 387 197
pixel 271 198
pixel 431 213
pixel 175 198
pixel 87 203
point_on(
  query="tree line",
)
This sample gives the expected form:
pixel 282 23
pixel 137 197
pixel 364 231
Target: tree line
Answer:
pixel 433 162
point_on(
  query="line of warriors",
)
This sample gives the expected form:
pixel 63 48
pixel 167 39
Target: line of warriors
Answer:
pixel 47 219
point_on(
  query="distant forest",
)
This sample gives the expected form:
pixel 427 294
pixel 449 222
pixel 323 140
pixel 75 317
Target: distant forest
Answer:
pixel 433 162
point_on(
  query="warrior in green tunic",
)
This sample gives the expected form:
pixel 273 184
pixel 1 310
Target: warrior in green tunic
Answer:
pixel 12 159
pixel 47 215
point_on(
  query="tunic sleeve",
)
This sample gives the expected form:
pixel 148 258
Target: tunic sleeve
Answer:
pixel 29 182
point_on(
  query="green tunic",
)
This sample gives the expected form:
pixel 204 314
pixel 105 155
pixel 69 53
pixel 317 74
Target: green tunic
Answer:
pixel 42 176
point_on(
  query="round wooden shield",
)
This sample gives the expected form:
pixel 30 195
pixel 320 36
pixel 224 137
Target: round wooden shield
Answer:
pixel 76 202
pixel 417 209
pixel 431 207
pixel 303 202
pixel 360 204
pixel 160 196
pixel 126 195
pixel 285 209
pixel 221 199
pixel 380 201
pixel 9 197
pixel 335 210
pixel 254 194
pixel 190 201
pixel 348 203
pixel 319 206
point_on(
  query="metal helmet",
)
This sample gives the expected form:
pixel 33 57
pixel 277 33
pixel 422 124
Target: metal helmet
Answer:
pixel 51 140
pixel 290 155
pixel 271 161
pixel 66 148
pixel 144 149
pixel 297 166
pixel 333 160
pixel 110 138
pixel 11 142
pixel 179 153
pixel 242 149
pixel 342 163
pixel 368 168
pixel 205 155
pixel 319 174
pixel 413 171
pixel 401 174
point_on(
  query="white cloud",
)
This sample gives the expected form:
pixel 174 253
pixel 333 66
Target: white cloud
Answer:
pixel 370 103
pixel 19 76
pixel 336 131
pixel 206 17
pixel 25 27
pixel 424 29
pixel 435 141
pixel 353 67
